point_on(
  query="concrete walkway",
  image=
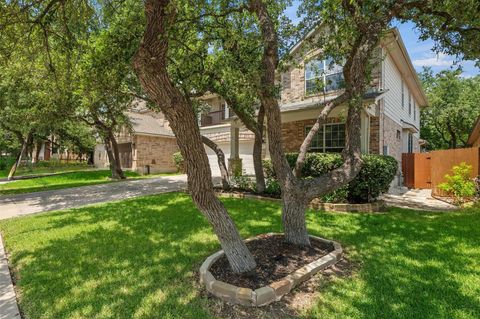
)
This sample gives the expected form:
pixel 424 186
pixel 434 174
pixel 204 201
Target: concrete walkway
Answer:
pixel 8 300
pixel 30 203
pixel 419 199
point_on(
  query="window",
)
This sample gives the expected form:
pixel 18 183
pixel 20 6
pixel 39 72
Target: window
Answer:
pixel 329 138
pixel 385 150
pixel 403 95
pixel 410 143
pixel 399 134
pixel 409 104
pixel 322 76
pixel 414 110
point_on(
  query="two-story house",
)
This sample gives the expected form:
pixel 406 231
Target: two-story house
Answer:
pixel 390 119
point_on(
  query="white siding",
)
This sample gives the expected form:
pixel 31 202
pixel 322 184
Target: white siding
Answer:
pixel 393 96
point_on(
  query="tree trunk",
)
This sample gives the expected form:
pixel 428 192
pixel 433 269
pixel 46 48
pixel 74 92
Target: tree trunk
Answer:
pixel 293 219
pixel 111 158
pixel 37 151
pixel 221 162
pixel 116 154
pixel 151 62
pixel 18 160
pixel 257 163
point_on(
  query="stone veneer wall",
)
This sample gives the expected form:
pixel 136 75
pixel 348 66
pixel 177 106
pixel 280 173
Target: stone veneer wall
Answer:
pixel 395 146
pixel 155 151
pixel 293 133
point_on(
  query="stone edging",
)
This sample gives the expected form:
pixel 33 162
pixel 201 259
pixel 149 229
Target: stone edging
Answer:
pixel 272 292
pixel 376 206
pixel 8 300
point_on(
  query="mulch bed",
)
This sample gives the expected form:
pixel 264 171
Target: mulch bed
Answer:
pixel 275 259
pixel 235 190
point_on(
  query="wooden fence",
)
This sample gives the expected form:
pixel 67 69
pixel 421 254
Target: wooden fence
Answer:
pixel 427 170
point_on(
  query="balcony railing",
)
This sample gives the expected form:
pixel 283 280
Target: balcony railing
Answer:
pixel 213 118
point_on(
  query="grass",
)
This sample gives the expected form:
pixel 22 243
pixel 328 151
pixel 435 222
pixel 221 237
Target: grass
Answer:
pixel 137 259
pixel 46 168
pixel 67 180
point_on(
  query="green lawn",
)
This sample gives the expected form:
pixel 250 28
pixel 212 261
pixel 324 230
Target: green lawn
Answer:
pixel 137 259
pixel 81 178
pixel 46 169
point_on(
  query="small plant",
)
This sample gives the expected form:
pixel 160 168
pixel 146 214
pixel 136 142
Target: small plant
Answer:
pixel 242 182
pixel 179 162
pixel 459 185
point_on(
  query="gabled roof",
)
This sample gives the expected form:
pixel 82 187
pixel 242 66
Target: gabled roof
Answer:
pixel 145 124
pixel 475 134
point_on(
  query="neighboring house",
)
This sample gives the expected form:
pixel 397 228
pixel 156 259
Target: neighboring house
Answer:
pixel 148 149
pixel 474 137
pixel 390 122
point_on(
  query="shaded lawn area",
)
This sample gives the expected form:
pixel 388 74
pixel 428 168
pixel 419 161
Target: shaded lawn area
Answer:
pixel 66 180
pixel 138 259
pixel 52 168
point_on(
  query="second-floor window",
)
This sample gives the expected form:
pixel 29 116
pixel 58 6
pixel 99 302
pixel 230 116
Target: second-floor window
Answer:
pixel 414 110
pixel 322 76
pixel 329 138
pixel 409 104
pixel 403 95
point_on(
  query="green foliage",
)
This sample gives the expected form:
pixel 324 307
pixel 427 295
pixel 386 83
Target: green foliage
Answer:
pixel 6 162
pixel 459 185
pixel 374 178
pixel 243 182
pixel 453 108
pixel 179 162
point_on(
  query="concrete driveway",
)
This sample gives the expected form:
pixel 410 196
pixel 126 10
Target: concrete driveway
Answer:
pixel 30 203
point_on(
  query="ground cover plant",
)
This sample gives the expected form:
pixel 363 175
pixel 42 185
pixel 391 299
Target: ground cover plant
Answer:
pixel 138 259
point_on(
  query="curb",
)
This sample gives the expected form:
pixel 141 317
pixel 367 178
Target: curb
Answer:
pixel 8 300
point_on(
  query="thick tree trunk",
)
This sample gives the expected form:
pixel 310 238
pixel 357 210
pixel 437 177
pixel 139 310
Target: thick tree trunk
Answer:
pixel 221 162
pixel 151 64
pixel 111 159
pixel 18 160
pixel 116 154
pixel 293 219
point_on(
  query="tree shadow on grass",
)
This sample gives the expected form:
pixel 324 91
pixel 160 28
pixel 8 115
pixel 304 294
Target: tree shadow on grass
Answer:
pixel 135 258
pixel 414 265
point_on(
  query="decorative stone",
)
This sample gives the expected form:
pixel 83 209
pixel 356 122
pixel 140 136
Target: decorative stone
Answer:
pixel 265 295
pixel 224 291
pixel 245 296
pixel 281 287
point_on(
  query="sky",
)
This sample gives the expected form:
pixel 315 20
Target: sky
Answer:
pixel 420 51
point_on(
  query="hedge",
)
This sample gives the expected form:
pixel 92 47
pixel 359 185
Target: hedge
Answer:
pixel 373 179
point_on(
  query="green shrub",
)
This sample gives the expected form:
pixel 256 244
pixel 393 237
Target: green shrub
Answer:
pixel 179 162
pixel 242 181
pixel 459 185
pixel 272 186
pixel 6 162
pixel 374 178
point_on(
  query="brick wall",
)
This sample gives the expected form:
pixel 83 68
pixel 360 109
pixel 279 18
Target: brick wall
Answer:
pixel 293 133
pixel 374 147
pixel 155 151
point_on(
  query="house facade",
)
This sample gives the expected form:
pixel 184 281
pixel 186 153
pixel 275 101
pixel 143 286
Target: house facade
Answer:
pixel 148 148
pixel 390 122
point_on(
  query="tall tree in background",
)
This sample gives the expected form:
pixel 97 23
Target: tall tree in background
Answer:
pixel 453 108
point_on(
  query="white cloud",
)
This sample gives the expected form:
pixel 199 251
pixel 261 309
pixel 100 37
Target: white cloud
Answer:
pixel 440 60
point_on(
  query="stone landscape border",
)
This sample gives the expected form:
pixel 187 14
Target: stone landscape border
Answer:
pixel 373 207
pixel 272 292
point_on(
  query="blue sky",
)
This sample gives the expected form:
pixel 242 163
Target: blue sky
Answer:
pixel 420 52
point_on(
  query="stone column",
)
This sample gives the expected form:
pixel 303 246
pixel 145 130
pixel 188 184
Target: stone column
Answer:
pixel 234 162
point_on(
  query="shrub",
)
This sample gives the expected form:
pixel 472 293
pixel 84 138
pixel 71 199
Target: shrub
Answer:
pixel 179 162
pixel 459 185
pixel 6 162
pixel 374 178
pixel 242 181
